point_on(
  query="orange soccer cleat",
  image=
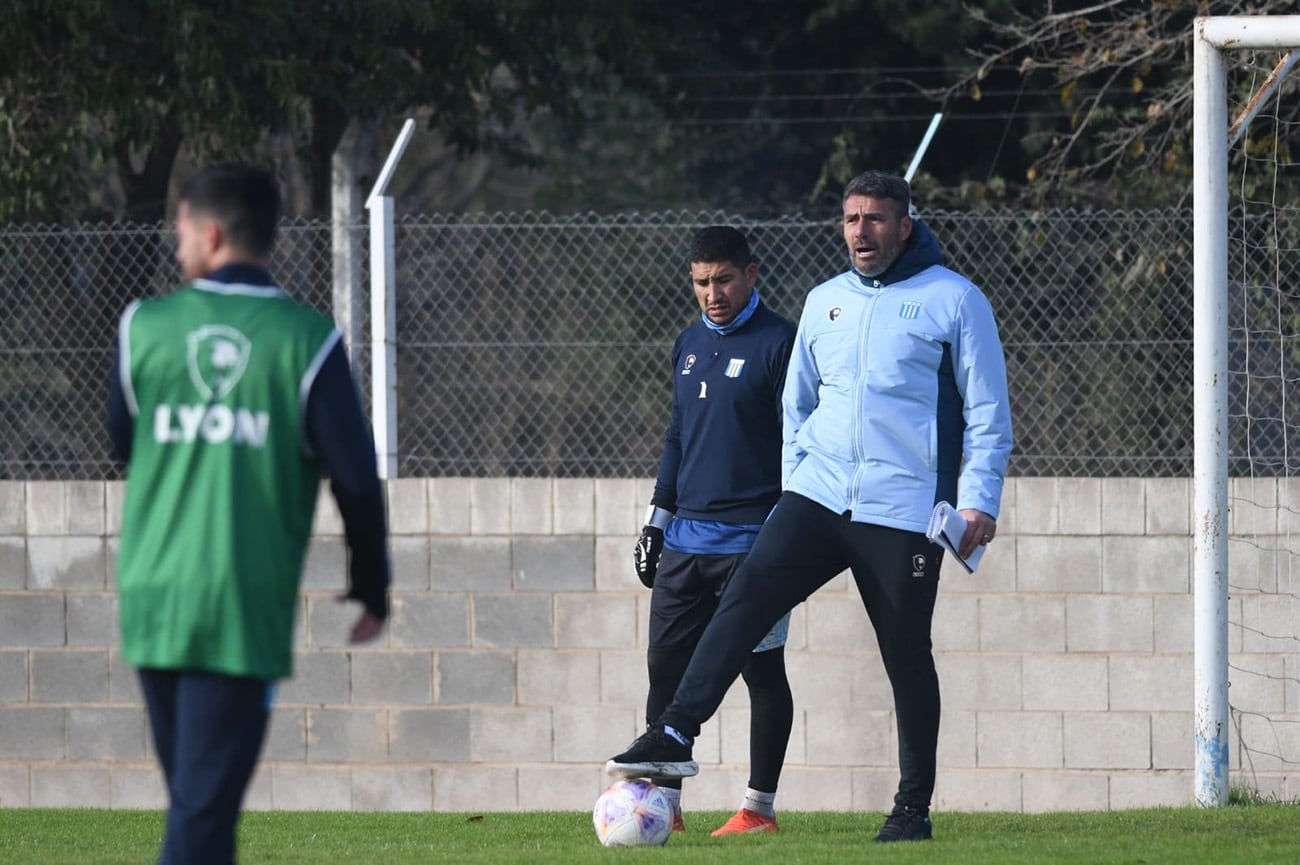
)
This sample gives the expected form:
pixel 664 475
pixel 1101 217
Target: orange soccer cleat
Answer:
pixel 746 822
pixel 678 824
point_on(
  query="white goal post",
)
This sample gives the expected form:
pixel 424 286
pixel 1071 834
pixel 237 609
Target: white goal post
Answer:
pixel 1214 37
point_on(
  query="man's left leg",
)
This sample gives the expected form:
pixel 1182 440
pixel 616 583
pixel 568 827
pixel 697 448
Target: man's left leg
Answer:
pixel 159 689
pixel 897 573
pixel 220 725
pixel 771 717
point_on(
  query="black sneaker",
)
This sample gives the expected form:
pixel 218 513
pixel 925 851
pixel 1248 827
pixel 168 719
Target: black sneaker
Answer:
pixel 654 754
pixel 906 823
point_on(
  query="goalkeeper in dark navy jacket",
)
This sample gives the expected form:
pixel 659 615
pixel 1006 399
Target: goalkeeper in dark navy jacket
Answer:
pixel 719 476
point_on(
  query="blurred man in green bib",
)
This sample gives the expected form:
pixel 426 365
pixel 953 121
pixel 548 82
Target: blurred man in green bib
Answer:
pixel 230 400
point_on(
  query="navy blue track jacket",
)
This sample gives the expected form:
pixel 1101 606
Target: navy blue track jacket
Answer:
pixel 722 450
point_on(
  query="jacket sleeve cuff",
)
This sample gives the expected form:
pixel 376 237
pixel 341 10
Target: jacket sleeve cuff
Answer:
pixel 658 517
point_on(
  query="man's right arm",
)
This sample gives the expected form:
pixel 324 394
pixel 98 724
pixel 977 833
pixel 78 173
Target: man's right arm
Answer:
pixel 339 436
pixel 120 424
pixel 663 501
pixel 665 492
pixel 798 400
pixel 121 404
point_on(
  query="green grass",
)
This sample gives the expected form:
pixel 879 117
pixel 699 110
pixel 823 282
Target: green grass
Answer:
pixel 1251 833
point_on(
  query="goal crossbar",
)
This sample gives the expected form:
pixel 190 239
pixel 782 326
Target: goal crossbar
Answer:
pixel 1226 32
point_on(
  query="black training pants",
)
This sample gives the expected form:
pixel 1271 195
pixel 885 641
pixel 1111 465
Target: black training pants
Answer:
pixel 687 590
pixel 208 730
pixel 801 547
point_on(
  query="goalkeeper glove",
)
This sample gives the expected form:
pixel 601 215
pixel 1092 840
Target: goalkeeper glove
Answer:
pixel 650 546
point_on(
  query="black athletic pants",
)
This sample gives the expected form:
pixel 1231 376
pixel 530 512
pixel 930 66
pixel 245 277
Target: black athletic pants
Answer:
pixel 208 730
pixel 800 548
pixel 686 594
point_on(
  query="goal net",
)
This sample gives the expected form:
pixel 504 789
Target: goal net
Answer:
pixel 1246 544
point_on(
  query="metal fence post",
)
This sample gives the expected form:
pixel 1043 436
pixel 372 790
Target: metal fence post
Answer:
pixel 383 311
pixel 345 273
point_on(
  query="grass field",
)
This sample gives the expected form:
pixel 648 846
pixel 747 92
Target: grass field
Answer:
pixel 1255 834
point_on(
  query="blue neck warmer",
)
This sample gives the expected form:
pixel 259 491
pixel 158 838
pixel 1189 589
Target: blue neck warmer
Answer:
pixel 737 322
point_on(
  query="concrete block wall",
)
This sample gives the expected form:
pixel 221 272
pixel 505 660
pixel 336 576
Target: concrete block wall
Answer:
pixel 514 661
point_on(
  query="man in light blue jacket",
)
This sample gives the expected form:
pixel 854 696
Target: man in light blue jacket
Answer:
pixel 895 399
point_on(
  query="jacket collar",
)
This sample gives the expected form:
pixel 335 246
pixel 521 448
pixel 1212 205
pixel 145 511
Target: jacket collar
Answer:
pixel 241 273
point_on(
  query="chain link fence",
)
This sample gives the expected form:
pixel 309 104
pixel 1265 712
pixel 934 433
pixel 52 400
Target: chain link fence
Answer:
pixel 531 344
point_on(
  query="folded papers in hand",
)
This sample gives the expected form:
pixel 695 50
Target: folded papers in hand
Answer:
pixel 946 529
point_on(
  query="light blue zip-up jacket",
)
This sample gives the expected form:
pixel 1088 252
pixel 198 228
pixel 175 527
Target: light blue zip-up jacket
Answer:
pixel 896 394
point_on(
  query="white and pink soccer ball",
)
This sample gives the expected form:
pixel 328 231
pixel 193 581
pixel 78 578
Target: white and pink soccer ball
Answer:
pixel 633 813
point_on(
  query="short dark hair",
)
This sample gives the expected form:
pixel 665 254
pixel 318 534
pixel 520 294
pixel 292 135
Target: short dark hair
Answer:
pixel 878 184
pixel 241 196
pixel 717 243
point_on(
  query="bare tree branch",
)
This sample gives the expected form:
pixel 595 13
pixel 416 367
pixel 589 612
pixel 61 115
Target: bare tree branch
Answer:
pixel 1124 70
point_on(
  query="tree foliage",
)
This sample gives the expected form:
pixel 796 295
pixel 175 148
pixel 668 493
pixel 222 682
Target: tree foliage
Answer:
pixel 760 105
pixel 1122 72
pixel 130 85
pixel 776 104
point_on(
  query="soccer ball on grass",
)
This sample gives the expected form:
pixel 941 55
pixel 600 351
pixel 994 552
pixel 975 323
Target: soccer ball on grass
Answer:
pixel 633 813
